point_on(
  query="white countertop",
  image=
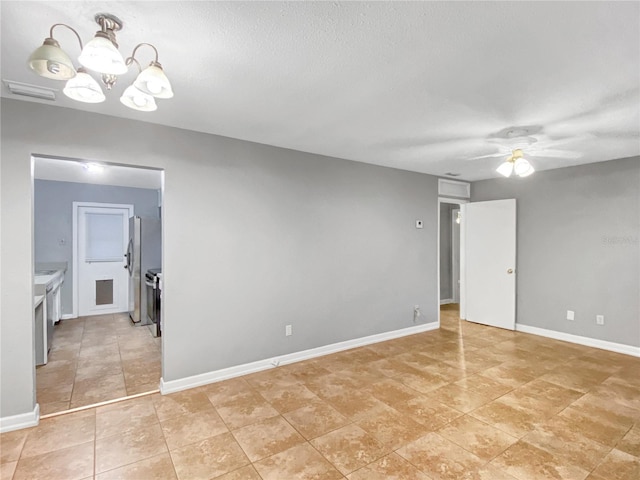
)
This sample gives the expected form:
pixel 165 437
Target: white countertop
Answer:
pixel 41 282
pixel 37 300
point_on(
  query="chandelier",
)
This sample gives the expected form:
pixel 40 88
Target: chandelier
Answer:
pixel 101 55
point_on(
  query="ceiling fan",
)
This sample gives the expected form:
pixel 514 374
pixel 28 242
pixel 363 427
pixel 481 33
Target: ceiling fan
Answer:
pixel 515 142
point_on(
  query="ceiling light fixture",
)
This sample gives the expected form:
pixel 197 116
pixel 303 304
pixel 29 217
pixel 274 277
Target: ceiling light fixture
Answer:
pixel 101 55
pixel 517 164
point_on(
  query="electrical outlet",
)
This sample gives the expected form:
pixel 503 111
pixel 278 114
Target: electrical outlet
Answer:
pixel 571 315
pixel 287 331
pixel 600 319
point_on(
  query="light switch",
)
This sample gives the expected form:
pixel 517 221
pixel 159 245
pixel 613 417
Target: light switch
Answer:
pixel 419 224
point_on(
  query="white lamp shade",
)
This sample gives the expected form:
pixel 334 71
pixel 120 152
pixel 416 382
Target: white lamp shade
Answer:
pixel 101 55
pixel 505 169
pixel 50 61
pixel 84 88
pixel 153 81
pixel 134 98
pixel 523 168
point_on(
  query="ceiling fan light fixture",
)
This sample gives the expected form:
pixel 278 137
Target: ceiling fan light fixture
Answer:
pixel 50 61
pixel 505 168
pixel 84 88
pixel 138 100
pixel 153 81
pixel 522 167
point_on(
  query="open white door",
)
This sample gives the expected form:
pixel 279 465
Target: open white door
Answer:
pixel 488 280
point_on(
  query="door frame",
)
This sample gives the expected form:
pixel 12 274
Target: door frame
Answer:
pixel 458 201
pixel 455 279
pixel 74 264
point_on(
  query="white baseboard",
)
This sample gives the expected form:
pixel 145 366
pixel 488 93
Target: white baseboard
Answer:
pixel 244 369
pixel 68 316
pixel 446 301
pixel 586 341
pixel 23 420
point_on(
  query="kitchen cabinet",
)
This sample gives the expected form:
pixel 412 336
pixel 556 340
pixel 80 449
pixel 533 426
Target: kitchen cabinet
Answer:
pixel 47 283
pixel 40 328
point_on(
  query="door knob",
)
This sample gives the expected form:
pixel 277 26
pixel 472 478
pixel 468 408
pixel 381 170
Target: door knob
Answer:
pixel 510 271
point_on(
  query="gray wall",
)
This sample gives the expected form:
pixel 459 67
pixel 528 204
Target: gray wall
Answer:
pixel 446 290
pixel 577 247
pixel 53 222
pixel 255 237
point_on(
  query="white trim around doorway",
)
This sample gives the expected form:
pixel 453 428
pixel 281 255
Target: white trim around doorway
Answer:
pixel 457 201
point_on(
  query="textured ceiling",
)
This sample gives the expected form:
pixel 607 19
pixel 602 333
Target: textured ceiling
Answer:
pixel 422 86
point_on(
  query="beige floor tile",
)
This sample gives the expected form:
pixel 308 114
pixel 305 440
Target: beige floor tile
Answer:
pixel 540 394
pixel 349 448
pixel 226 391
pixel 7 470
pixel 267 437
pixel 630 443
pixel 288 398
pixel 510 417
pixel 524 461
pixel 597 424
pixel 568 404
pixel 244 473
pixel 619 466
pixel 176 404
pixel 60 432
pixel 462 399
pixel 423 382
pixel 440 459
pixel 315 419
pixel 509 375
pixel 301 462
pixel 94 390
pixel 11 444
pixel 355 404
pixel 138 388
pixel 245 411
pixel 477 437
pixel 305 370
pixel 561 438
pixel 583 379
pixel 484 385
pixel 192 427
pixel 391 391
pixel 430 413
pixel 391 467
pixel 135 445
pixel 98 369
pixel 159 467
pixel 72 463
pixel 392 428
pixel 209 458
pixel 123 417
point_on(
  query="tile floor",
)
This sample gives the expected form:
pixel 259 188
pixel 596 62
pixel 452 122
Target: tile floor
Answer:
pixel 94 359
pixel 463 402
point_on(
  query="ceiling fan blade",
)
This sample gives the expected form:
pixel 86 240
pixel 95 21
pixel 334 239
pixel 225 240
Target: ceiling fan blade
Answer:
pixel 491 155
pixel 549 153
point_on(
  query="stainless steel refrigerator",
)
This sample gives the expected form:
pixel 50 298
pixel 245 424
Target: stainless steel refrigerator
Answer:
pixel 144 252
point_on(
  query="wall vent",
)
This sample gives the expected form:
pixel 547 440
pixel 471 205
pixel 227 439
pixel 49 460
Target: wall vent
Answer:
pixel 32 91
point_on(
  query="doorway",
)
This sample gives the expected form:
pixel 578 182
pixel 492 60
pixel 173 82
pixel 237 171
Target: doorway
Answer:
pixel 449 255
pixel 97 355
pixel 100 237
